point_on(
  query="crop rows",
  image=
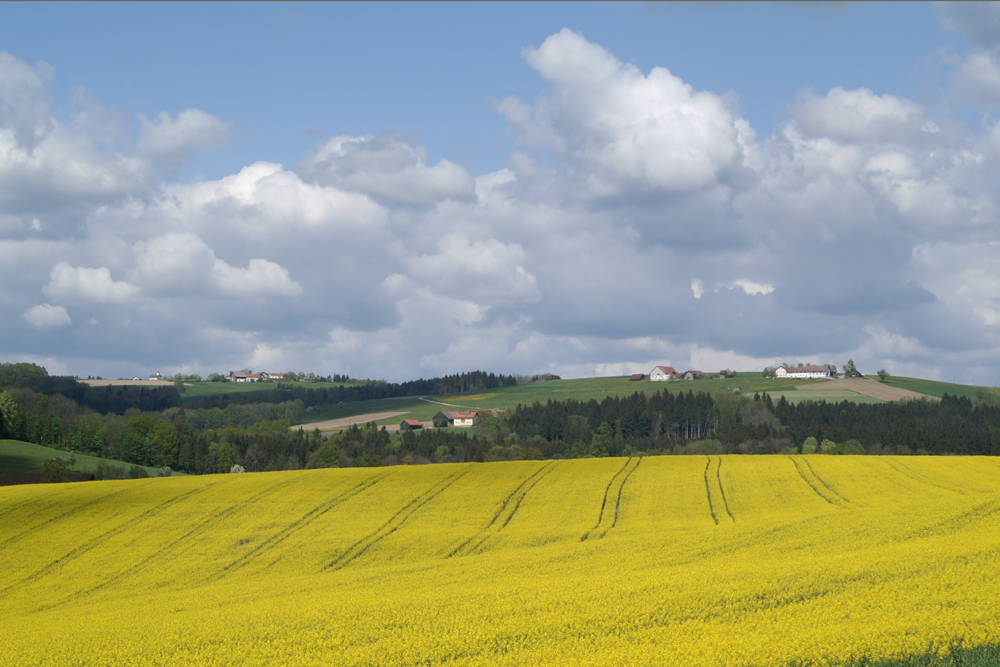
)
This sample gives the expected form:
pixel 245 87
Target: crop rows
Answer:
pixel 745 561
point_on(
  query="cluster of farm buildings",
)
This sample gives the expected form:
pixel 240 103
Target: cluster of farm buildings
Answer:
pixel 449 417
pixel 669 373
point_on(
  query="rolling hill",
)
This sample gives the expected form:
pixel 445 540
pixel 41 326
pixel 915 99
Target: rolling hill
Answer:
pixel 744 561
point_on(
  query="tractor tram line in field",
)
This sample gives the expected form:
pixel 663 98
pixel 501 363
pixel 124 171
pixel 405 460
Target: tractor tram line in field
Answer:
pixel 63 515
pixel 708 491
pixel 499 512
pixel 722 491
pixel 520 493
pixel 806 480
pixel 395 521
pixel 304 521
pixel 902 469
pixel 55 499
pixel 904 578
pixel 604 501
pixel 618 502
pixel 823 482
pixel 99 540
pixel 163 553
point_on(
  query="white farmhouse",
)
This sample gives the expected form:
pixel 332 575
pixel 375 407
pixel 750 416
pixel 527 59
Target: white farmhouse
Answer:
pixel 663 373
pixel 803 372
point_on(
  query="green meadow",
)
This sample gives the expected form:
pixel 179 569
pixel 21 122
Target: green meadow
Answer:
pixel 16 456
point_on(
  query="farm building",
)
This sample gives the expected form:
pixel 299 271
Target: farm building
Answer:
pixel 692 375
pixel 463 419
pixel 663 374
pixel 803 372
pixel 410 425
pixel 635 377
pixel 156 376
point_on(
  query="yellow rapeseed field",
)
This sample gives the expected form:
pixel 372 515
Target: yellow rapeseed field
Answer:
pixel 743 561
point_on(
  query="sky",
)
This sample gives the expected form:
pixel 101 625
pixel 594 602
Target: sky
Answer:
pixel 405 190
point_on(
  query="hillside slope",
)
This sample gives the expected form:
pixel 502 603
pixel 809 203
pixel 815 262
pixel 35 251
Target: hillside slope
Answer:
pixel 666 560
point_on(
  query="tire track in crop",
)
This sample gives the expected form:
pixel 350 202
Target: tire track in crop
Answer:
pixel 806 480
pixel 95 542
pixel 718 477
pixel 536 476
pixel 618 500
pixel 977 514
pixel 167 548
pixel 306 519
pixel 54 499
pixel 604 502
pixel 830 488
pixel 62 515
pixel 393 523
pixel 917 477
pixel 708 491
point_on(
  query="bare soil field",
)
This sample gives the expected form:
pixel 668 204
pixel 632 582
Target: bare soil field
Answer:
pixel 867 387
pixel 130 383
pixel 344 422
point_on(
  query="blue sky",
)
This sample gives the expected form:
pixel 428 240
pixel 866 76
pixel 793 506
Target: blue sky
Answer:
pixel 520 187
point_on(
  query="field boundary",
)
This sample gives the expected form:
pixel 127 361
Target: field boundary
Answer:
pixel 867 387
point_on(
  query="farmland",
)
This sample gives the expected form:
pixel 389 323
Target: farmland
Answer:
pixel 735 560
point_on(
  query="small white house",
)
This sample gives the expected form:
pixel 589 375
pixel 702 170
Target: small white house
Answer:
pixel 803 372
pixel 663 374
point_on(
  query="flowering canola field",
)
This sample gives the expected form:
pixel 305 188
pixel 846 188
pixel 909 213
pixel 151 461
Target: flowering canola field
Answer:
pixel 744 561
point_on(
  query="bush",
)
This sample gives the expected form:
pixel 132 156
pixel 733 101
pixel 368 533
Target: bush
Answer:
pixel 55 470
pixel 237 468
pixel 810 446
pixel 165 471
pixel 138 472
pixel 107 471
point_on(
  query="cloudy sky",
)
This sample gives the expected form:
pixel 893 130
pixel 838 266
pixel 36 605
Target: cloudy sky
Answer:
pixel 402 191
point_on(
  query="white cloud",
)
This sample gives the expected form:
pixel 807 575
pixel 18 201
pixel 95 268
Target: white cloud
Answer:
pixel 46 316
pixel 859 228
pixel 976 82
pixel 171 142
pixel 386 168
pixel 70 284
pixel 857 115
pixel 629 130
pixel 752 288
pixel 260 278
pixel 181 263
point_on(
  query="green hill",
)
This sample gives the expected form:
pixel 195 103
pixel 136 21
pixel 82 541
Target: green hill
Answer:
pixel 17 456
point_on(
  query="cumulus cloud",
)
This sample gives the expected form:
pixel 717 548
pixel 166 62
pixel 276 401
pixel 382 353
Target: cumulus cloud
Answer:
pixel 171 142
pixel 70 284
pixel 181 263
pixel 857 115
pixel 386 168
pixel 46 316
pixel 629 130
pixel 24 101
pixel 638 221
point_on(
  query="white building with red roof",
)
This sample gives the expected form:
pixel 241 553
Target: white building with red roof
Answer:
pixel 663 374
